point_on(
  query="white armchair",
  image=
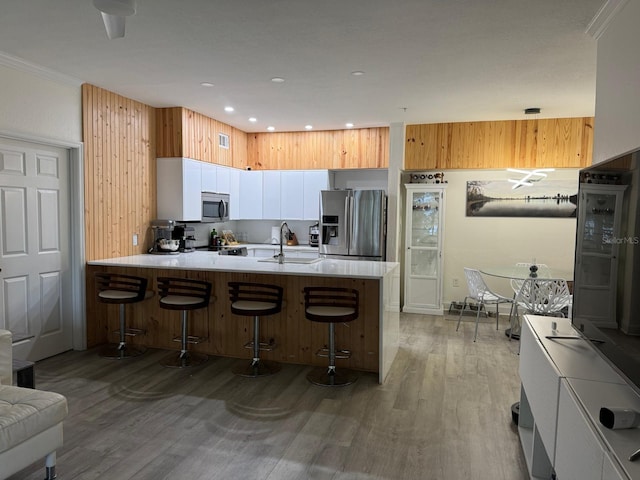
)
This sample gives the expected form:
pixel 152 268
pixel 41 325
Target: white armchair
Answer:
pixel 30 420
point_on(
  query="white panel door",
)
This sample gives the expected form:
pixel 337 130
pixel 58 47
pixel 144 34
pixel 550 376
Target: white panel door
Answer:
pixel 35 296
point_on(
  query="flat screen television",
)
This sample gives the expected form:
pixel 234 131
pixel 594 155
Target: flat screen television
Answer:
pixel 606 296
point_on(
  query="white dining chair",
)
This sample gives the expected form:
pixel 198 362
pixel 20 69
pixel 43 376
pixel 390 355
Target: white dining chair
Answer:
pixel 481 293
pixel 543 296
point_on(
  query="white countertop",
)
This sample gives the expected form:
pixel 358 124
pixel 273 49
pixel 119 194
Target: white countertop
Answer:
pixel 204 260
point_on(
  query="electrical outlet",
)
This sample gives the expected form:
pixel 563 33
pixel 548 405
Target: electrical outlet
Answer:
pixel 135 239
pixel 456 282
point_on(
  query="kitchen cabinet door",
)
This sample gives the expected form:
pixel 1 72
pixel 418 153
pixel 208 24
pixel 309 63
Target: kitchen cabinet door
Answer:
pixel 314 181
pixel 179 183
pixel 209 177
pixel 271 195
pixel 424 222
pixel 223 179
pixel 291 195
pixel 250 195
pixel 234 193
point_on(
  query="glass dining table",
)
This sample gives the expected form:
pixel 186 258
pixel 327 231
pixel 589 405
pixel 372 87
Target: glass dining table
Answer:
pixel 519 272
pixel 522 272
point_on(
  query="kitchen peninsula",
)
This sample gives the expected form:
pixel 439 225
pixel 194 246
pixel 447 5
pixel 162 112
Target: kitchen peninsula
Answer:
pixel 372 338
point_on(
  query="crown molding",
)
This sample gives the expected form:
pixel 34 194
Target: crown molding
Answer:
pixel 37 70
pixel 601 20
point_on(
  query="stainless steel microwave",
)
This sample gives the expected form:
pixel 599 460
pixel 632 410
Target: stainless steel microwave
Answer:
pixel 215 207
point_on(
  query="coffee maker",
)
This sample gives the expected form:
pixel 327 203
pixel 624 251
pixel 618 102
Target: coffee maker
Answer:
pixel 186 235
pixel 314 235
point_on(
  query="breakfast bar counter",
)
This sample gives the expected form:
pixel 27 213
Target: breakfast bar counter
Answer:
pixel 372 338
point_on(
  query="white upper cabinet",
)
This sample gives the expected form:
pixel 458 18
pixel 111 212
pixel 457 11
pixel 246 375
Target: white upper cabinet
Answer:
pixel 234 193
pixel 291 195
pixel 253 195
pixel 223 179
pixel 314 182
pixel 209 177
pixel 250 195
pixel 179 183
pixel 271 194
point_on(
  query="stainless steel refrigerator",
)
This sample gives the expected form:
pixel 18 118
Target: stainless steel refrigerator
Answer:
pixel 353 224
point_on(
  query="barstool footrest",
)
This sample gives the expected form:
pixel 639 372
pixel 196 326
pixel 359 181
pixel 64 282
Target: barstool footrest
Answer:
pixel 131 332
pixel 340 354
pixel 263 346
pixel 191 339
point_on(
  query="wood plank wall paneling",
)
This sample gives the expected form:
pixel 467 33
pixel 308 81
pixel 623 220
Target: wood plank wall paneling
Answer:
pixel 169 132
pixel 184 133
pixel 119 137
pixel 538 143
pixel 332 149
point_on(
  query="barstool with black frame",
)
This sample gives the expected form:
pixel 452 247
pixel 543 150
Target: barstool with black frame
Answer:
pixel 256 300
pixel 184 294
pixel 121 289
pixel 331 305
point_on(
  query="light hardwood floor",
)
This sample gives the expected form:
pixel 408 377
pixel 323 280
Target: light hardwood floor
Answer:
pixel 444 413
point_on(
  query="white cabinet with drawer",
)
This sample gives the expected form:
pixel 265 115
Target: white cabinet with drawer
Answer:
pixel 565 382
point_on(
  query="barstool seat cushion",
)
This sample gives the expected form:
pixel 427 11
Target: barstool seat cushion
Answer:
pixel 321 311
pixel 253 305
pixel 117 295
pixel 181 300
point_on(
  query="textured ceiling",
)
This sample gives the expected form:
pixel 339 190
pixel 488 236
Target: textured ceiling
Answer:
pixel 424 61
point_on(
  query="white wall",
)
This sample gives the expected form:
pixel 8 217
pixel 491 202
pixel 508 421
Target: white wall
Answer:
pixel 489 241
pixel 617 124
pixel 37 106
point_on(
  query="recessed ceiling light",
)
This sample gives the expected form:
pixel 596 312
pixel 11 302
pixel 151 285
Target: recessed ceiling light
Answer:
pixel 357 73
pixel 277 79
pixel 207 84
pixel 308 127
pixel 228 109
pixel 349 125
pixel 253 119
pixel 270 128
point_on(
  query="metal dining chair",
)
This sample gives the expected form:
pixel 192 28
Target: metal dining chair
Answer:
pixel 481 293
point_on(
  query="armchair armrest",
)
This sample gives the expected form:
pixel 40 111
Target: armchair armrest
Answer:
pixel 6 357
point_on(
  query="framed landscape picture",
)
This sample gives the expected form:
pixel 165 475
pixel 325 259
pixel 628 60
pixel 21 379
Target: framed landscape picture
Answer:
pixel 498 198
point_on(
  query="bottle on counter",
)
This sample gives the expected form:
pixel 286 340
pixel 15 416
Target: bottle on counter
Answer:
pixel 214 239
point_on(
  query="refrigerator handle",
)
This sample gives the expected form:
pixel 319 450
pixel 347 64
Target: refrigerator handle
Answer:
pixel 348 215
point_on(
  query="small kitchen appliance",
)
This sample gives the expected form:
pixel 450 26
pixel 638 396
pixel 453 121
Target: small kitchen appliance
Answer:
pixel 162 236
pixel 314 235
pixel 215 207
pixel 185 234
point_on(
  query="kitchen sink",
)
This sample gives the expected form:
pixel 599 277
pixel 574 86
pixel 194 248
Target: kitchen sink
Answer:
pixel 291 260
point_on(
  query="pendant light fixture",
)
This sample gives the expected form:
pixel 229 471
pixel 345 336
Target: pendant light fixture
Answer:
pixel 114 13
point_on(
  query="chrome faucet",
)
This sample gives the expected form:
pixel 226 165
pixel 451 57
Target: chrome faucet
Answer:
pixel 281 254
